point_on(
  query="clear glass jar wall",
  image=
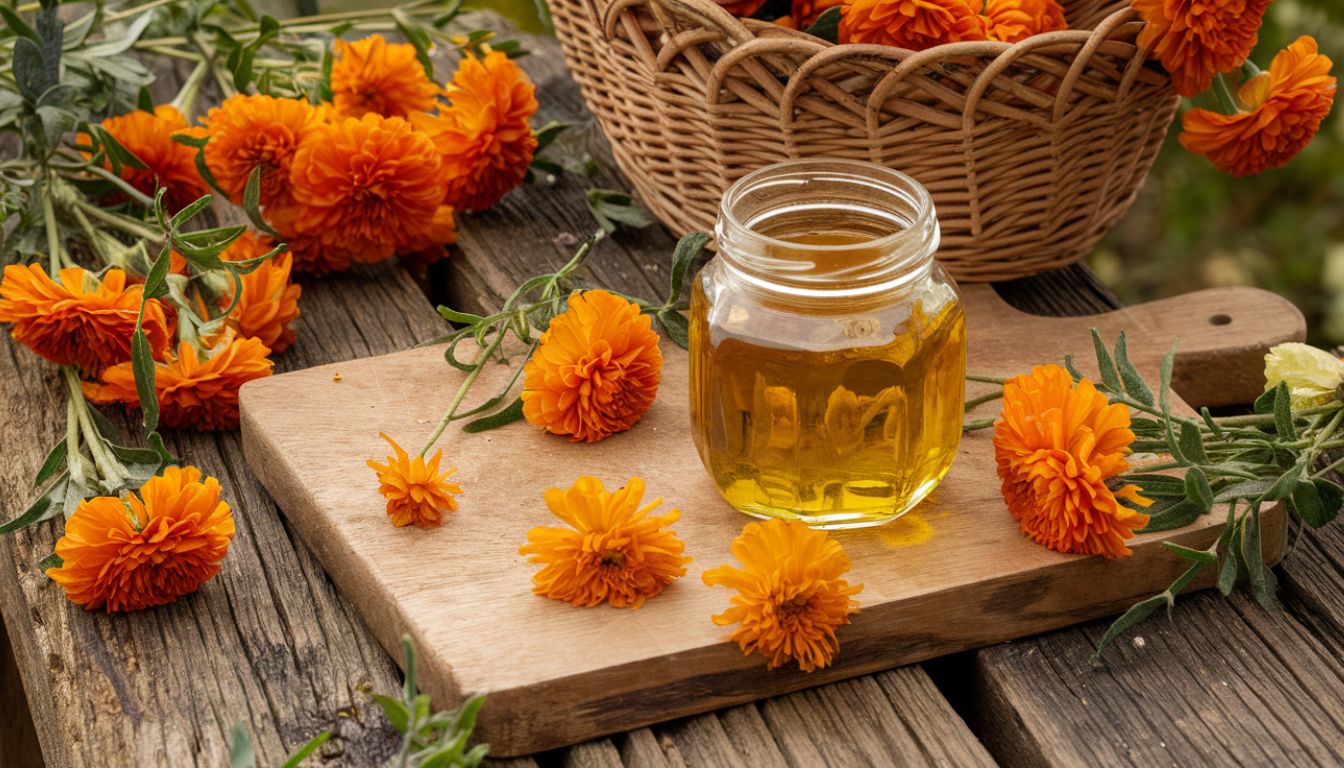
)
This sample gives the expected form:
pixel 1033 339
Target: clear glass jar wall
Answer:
pixel 828 348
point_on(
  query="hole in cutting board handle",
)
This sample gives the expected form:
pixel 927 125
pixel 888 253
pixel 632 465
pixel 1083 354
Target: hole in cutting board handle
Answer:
pixel 1220 319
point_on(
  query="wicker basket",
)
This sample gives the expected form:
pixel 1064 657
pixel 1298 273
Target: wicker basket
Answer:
pixel 1032 151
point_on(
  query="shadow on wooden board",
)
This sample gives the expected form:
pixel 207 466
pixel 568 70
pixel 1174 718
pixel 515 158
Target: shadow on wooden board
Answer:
pixel 18 740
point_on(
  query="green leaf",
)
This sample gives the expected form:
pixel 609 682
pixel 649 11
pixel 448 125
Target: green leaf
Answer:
pixel 1109 376
pixel 1145 608
pixel 1317 502
pixel 1284 486
pixel 1178 515
pixel 678 330
pixel 611 208
pixel 144 101
pixel 252 204
pixel 1197 555
pixel 1192 443
pixel 240 748
pixel 187 214
pixel 396 712
pixel 156 282
pixel 50 504
pixel 1227 574
pixel 1158 485
pixel 29 74
pixel 1197 489
pixel 1072 369
pixel 142 364
pixel 683 256
pixel 510 414
pixel 1261 579
pixel 306 750
pixel 54 461
pixel 1164 399
pixel 417 38
pixel 1134 383
pixel 50 561
pixel 1213 425
pixel 1283 413
pixel 1265 402
pixel 827 25
pixel 461 318
pixel 548 134
pixel 120 42
pixel 1245 489
pixel 17 25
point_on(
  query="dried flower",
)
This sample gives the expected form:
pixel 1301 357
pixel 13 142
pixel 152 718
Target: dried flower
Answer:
pixel 1280 112
pixel 249 131
pixel 911 24
pixel 197 390
pixel 485 138
pixel 79 320
pixel 1015 20
pixel 367 186
pixel 790 597
pixel 595 370
pixel 1057 445
pixel 269 303
pixel 1197 39
pixel 613 549
pixel 373 75
pixel 1313 375
pixel 146 549
pixel 150 138
pixel 416 491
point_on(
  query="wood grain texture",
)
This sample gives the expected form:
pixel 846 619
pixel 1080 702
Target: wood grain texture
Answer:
pixel 573 674
pixel 18 738
pixel 268 642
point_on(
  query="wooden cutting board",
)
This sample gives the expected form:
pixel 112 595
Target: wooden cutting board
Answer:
pixel 955 573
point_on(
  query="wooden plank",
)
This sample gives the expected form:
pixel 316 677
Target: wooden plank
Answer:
pixel 268 642
pixel 18 738
pixel 1222 681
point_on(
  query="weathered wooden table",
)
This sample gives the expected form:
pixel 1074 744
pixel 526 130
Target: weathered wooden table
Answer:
pixel 271 643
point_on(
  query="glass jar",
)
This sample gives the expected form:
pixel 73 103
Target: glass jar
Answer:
pixel 828 349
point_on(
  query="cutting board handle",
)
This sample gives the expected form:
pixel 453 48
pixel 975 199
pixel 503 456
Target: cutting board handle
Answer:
pixel 1224 334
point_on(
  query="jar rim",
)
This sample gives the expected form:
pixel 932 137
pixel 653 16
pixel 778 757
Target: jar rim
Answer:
pixel 908 249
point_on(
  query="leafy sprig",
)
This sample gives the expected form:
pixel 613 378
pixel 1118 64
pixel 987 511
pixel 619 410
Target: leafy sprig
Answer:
pixel 524 317
pixel 431 739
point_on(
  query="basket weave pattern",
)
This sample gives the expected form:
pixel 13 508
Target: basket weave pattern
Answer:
pixel 1032 151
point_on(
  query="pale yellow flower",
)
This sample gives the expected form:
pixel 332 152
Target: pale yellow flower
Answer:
pixel 1313 375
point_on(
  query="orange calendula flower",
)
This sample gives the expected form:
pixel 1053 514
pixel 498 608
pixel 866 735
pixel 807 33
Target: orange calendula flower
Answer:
pixel 367 186
pixel 373 75
pixel 250 131
pixel 742 8
pixel 416 491
pixel 790 597
pixel 595 370
pixel 269 303
pixel 804 13
pixel 1014 20
pixel 485 138
pixel 146 549
pixel 150 138
pixel 911 24
pixel 613 550
pixel 1197 39
pixel 1282 110
pixel 196 390
pixel 80 320
pixel 1057 446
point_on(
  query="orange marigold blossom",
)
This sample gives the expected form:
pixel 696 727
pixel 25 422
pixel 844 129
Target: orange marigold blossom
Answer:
pixel 373 75
pixel 485 137
pixel 269 302
pixel 1057 446
pixel 79 320
pixel 367 185
pixel 145 549
pixel 804 13
pixel 1196 39
pixel 250 131
pixel 741 8
pixel 595 370
pixel 911 24
pixel 150 138
pixel 416 491
pixel 1014 20
pixel 790 597
pixel 614 550
pixel 1282 110
pixel 196 389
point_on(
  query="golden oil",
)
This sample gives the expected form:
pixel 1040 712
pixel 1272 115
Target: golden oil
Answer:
pixel 827 375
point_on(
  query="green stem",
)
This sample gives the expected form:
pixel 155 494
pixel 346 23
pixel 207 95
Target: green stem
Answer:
pixel 1224 93
pixel 972 426
pixel 1328 468
pixel 986 379
pixel 54 256
pixel 477 365
pixel 74 459
pixel 185 101
pixel 136 10
pixel 110 470
pixel 125 224
pixel 976 402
